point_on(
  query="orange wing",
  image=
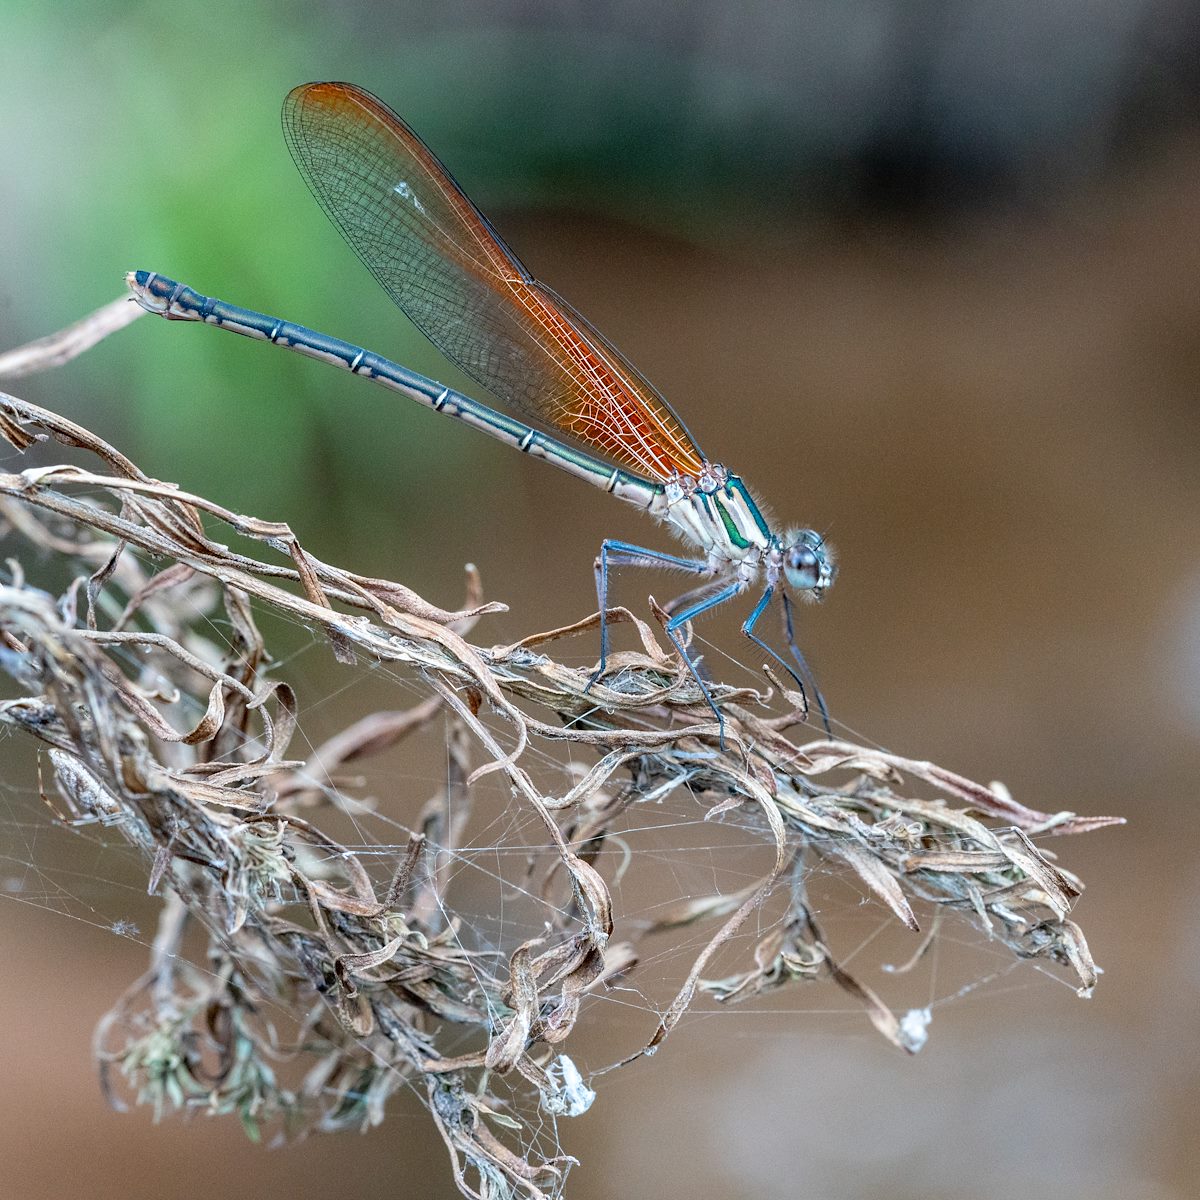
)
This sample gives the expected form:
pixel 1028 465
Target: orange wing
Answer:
pixel 439 259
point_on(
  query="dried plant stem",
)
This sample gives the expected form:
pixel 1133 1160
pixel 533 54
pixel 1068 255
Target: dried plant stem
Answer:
pixel 379 988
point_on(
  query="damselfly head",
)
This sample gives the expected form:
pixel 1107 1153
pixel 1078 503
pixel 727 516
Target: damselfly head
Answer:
pixel 808 564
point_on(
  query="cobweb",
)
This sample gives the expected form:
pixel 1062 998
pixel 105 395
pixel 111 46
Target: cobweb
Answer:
pixel 382 857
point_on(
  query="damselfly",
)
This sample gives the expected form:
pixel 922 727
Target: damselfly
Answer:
pixel 439 259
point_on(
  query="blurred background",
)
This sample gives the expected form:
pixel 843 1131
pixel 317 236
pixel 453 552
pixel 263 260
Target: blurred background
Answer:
pixel 924 273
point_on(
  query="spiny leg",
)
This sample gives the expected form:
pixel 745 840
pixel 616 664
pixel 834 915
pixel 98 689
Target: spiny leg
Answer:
pixel 790 634
pixel 692 595
pixel 690 613
pixel 625 554
pixel 748 630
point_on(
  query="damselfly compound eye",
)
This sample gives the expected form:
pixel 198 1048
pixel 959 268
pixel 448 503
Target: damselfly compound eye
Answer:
pixel 802 567
pixel 808 563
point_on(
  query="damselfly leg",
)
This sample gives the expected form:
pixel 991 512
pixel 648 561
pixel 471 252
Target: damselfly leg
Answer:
pixel 694 603
pixel 806 682
pixel 625 554
pixel 690 614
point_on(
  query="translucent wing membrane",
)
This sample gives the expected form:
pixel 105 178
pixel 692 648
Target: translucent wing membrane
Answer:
pixel 438 258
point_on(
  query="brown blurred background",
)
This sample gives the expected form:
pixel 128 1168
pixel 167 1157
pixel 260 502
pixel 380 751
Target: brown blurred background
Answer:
pixel 926 274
